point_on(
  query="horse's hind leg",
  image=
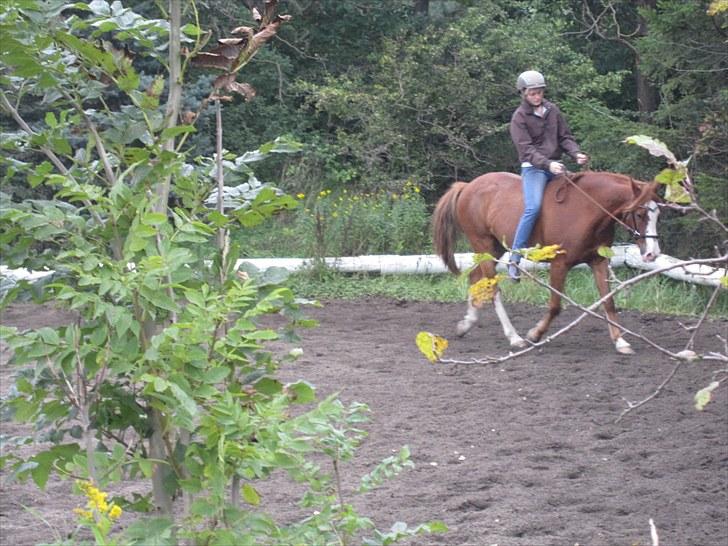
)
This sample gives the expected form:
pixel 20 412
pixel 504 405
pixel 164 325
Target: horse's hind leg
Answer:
pixel 473 313
pixel 600 269
pixel 487 269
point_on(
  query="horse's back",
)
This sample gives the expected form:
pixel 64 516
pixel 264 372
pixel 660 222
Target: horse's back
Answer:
pixel 491 204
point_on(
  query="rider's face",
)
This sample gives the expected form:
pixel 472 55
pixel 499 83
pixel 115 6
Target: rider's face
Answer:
pixel 534 97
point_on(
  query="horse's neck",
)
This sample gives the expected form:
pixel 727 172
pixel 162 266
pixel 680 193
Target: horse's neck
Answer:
pixel 610 192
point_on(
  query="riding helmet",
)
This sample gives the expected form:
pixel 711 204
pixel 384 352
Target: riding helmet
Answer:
pixel 530 79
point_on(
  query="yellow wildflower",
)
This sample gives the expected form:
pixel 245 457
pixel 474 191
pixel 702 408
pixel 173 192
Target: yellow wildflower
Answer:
pixel 83 513
pixel 115 512
pixel 300 195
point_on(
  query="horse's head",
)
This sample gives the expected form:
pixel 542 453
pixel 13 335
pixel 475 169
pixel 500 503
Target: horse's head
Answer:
pixel 640 217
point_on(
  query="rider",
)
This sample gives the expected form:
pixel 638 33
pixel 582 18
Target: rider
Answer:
pixel 541 135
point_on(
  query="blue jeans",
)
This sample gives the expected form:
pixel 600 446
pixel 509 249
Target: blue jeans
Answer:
pixel 534 184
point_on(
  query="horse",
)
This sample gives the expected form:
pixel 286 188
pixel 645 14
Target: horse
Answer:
pixel 579 213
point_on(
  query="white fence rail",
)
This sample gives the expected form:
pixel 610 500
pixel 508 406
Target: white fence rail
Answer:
pixel 429 264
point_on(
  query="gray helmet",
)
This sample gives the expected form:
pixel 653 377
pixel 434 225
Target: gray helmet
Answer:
pixel 530 79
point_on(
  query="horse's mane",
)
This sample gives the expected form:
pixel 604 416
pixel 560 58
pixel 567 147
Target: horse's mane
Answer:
pixel 620 177
pixel 642 191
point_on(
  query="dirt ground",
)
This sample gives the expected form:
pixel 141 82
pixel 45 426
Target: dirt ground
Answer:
pixel 523 453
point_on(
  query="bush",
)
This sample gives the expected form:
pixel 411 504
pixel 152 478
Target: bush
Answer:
pixel 343 223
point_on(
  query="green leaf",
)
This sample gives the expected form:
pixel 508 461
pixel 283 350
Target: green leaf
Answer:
pixel 154 219
pixel 266 335
pixel 191 30
pixel 160 384
pixel 146 466
pixel 301 392
pixel 605 252
pixel 173 132
pixel 218 219
pixel 250 495
pixel 269 386
pixel 187 402
pixel 670 176
pixel 152 532
pixel 47 460
pixel 50 119
pixel 49 336
pixel 216 375
pixel 704 396
pixel 128 80
pixel 159 298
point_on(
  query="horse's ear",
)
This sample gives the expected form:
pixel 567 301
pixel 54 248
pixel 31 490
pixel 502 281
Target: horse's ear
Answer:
pixel 641 192
pixel 654 186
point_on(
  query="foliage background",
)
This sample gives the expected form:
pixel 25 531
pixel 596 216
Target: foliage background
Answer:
pixel 382 93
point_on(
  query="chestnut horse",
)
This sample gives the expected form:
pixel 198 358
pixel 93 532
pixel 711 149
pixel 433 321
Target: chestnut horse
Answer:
pixel 579 213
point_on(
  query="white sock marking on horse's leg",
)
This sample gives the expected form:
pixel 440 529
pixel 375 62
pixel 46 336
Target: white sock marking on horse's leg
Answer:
pixel 508 329
pixel 469 320
pixel 623 346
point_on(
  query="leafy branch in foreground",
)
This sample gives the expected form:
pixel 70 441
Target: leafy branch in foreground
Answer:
pixel 165 372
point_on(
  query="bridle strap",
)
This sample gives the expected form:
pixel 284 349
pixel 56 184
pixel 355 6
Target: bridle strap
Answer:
pixel 636 234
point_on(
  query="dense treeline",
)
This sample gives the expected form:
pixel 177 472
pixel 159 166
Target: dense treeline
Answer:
pixel 385 92
pixel 382 93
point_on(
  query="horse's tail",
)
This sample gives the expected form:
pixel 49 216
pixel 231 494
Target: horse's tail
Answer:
pixel 445 226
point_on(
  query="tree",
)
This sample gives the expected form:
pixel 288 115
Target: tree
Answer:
pixel 164 372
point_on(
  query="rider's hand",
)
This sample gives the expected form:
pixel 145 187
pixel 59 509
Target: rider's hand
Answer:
pixel 556 168
pixel 582 159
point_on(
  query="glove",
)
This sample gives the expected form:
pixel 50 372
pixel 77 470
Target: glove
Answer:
pixel 556 168
pixel 582 158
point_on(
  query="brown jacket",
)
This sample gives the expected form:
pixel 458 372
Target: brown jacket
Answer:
pixel 541 140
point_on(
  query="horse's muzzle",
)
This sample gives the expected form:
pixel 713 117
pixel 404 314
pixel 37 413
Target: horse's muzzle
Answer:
pixel 650 250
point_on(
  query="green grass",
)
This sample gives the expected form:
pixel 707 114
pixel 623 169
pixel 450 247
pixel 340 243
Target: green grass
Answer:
pixel 655 295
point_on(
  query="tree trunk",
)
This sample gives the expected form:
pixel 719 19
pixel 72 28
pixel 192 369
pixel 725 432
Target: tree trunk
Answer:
pixel 647 98
pixel 174 97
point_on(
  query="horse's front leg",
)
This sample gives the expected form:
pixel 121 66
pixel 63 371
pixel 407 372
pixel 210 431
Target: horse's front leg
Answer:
pixel 600 270
pixel 557 280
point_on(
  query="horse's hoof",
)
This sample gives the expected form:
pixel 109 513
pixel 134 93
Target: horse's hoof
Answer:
pixel 533 335
pixel 519 343
pixel 463 327
pixel 623 347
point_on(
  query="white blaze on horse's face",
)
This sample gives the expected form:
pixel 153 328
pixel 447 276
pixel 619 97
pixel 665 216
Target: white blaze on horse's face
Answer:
pixel 652 246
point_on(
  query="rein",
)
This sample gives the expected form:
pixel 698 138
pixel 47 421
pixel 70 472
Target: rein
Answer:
pixel 633 231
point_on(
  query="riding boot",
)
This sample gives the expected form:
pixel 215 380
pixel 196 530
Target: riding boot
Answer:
pixel 513 272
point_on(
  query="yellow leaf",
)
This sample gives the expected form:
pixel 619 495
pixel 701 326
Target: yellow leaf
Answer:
pixel 543 254
pixel 483 291
pixel 724 282
pixel 432 346
pixel 479 257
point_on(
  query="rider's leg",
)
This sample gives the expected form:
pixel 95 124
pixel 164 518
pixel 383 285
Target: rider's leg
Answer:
pixel 534 183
